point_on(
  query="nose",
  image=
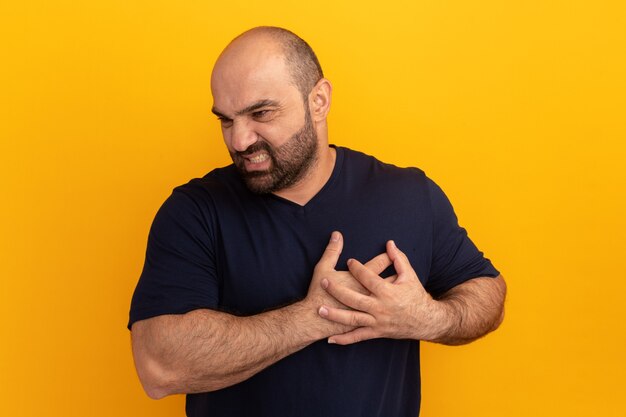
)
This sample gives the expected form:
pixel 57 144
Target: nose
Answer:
pixel 242 136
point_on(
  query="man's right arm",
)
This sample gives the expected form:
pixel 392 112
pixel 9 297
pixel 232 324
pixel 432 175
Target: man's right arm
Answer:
pixel 206 350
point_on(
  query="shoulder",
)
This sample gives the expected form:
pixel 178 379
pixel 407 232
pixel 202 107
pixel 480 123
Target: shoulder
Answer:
pixel 198 199
pixel 374 171
pixel 216 183
pixel 215 180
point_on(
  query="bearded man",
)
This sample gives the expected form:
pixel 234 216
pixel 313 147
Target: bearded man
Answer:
pixel 254 300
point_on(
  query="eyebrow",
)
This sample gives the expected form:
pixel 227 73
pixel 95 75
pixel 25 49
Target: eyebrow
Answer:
pixel 249 109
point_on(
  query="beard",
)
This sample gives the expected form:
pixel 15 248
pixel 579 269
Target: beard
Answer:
pixel 290 162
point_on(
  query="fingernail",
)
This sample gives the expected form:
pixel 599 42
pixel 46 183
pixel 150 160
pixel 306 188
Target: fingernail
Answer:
pixel 350 261
pixel 323 311
pixel 334 236
pixel 331 340
pixel 324 283
pixel 393 244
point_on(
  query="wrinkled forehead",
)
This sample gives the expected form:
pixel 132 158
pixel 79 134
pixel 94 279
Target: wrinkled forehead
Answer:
pixel 247 73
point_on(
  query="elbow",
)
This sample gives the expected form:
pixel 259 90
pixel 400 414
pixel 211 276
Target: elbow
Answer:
pixel 156 381
pixel 498 321
pixel 155 388
pixel 159 384
pixel 164 368
pixel 502 290
pixel 154 392
pixel 159 380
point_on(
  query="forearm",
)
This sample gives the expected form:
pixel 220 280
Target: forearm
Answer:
pixel 403 309
pixel 469 311
pixel 205 350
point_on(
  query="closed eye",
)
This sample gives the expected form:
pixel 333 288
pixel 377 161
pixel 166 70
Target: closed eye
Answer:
pixel 225 121
pixel 262 115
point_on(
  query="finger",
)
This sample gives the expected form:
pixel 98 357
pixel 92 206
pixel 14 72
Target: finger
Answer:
pixel 367 278
pixel 348 297
pixel 391 279
pixel 379 263
pixel 348 317
pixel 332 252
pixel 400 261
pixel 354 336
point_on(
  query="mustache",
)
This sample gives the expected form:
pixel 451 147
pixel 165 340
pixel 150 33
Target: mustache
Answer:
pixel 255 147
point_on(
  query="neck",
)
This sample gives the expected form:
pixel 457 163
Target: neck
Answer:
pixel 319 174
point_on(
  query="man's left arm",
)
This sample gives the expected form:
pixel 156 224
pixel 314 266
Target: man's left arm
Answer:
pixel 401 308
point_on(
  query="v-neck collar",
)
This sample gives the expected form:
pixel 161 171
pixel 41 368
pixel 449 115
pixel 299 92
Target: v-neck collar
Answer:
pixel 320 195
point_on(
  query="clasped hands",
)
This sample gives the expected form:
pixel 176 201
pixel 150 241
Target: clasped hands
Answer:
pixel 370 306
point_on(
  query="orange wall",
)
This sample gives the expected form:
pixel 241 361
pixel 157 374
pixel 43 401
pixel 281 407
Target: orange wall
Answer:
pixel 516 108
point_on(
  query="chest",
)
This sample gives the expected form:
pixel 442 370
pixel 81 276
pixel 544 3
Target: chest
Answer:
pixel 267 251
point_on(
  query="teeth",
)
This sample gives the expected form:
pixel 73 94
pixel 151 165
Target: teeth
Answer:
pixel 259 159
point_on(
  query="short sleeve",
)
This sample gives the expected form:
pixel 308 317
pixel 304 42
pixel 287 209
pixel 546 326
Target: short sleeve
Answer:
pixel 179 273
pixel 455 258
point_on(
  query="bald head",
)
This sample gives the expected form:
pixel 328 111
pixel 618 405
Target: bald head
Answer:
pixel 272 101
pixel 301 62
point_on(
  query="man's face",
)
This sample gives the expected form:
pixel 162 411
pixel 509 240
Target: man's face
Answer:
pixel 266 125
pixel 287 163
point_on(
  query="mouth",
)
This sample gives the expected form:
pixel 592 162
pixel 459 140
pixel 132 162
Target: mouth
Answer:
pixel 262 157
pixel 258 161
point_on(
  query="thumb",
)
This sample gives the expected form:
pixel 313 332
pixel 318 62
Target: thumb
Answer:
pixel 332 252
pixel 400 261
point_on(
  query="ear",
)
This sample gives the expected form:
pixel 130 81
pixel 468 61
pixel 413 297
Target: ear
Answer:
pixel 319 100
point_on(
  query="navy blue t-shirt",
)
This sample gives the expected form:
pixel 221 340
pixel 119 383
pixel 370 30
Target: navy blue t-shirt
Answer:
pixel 214 244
